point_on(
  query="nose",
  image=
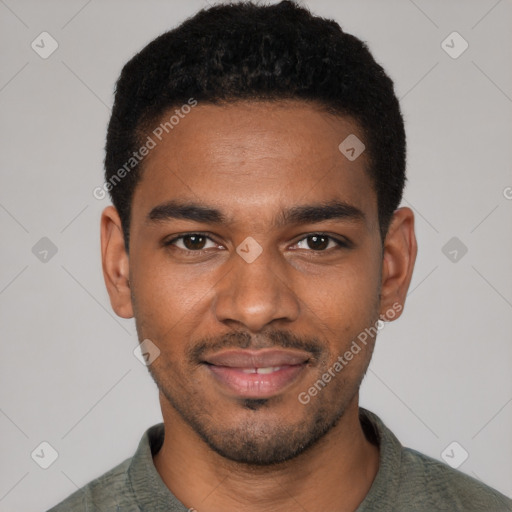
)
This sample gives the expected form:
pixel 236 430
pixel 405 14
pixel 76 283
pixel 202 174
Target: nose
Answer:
pixel 256 294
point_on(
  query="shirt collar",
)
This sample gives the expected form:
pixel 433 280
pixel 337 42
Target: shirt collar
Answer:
pixel 151 493
pixel 384 490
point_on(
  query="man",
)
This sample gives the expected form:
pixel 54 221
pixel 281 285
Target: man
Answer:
pixel 256 160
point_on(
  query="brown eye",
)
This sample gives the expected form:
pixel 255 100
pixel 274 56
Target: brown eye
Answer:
pixel 192 242
pixel 320 242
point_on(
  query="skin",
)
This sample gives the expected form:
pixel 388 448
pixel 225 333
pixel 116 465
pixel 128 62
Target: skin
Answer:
pixel 251 161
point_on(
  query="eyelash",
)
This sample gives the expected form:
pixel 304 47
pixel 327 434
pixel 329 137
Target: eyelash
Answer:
pixel 341 244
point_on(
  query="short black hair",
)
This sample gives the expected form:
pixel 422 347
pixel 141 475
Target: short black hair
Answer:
pixel 246 51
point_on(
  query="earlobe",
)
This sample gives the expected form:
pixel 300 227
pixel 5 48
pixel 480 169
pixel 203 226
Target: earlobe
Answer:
pixel 115 263
pixel 399 256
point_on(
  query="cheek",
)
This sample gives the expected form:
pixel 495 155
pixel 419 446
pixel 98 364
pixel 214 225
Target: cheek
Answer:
pixel 346 292
pixel 165 286
pixel 344 305
pixel 161 296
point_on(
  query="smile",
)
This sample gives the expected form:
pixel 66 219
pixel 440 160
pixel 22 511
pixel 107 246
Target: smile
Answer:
pixel 269 369
pixel 258 382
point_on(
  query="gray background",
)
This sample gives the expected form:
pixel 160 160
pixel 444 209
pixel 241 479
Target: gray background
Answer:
pixel 442 373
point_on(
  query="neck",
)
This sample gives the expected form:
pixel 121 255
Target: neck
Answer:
pixel 334 474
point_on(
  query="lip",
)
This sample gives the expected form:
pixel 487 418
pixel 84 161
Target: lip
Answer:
pixel 281 368
pixel 263 358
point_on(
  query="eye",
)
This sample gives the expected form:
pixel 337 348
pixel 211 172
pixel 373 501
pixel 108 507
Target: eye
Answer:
pixel 320 242
pixel 198 242
pixel 192 242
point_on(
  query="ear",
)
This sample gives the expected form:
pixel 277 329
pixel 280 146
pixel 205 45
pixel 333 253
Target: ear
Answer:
pixel 115 263
pixel 399 256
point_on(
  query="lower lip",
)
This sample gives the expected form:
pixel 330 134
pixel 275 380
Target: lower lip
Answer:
pixel 256 385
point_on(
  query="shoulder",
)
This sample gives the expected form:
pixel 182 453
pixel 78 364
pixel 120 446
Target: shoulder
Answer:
pixel 409 480
pixel 437 486
pixel 114 490
pixel 107 492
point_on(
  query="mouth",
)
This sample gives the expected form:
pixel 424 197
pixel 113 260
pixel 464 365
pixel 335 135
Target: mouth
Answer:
pixel 256 374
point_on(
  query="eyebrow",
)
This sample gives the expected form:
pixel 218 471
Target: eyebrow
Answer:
pixel 301 214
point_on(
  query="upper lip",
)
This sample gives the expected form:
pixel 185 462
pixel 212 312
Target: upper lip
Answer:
pixel 262 358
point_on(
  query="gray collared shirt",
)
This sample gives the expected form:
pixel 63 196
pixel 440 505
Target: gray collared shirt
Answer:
pixel 406 481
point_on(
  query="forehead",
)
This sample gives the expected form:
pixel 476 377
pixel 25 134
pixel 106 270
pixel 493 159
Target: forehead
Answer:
pixel 254 157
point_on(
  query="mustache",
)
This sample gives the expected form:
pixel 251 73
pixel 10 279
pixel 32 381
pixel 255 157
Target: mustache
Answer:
pixel 245 340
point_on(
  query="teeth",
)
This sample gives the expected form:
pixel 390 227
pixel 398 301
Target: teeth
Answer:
pixel 269 369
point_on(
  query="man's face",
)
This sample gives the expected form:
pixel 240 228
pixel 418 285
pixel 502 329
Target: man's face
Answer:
pixel 251 310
